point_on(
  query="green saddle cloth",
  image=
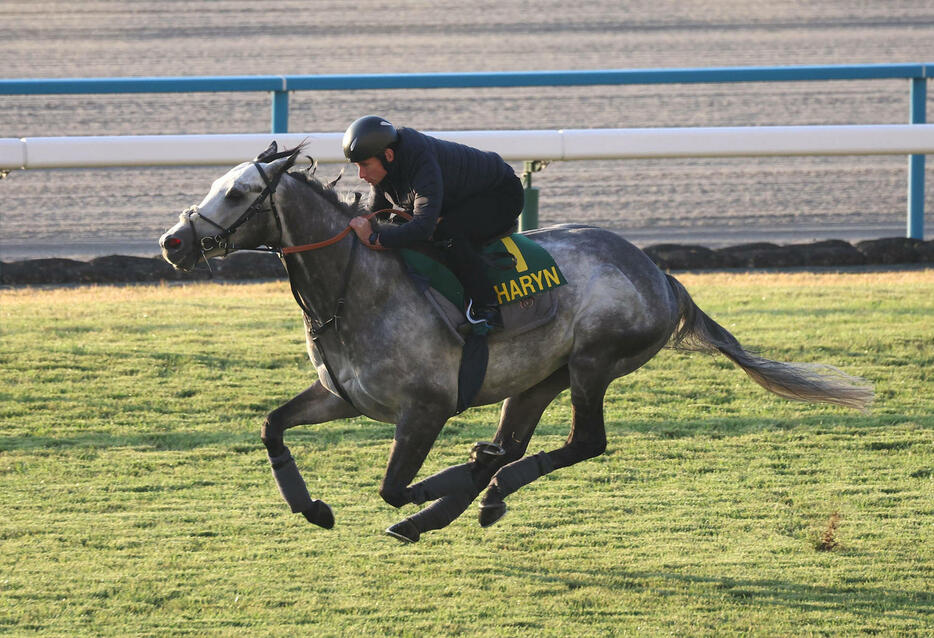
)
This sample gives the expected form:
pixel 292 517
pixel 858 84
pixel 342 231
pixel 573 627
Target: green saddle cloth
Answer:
pixel 520 269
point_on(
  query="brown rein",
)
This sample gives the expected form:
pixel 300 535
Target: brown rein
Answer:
pixel 288 250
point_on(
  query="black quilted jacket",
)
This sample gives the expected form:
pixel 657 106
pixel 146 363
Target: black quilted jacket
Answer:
pixel 428 175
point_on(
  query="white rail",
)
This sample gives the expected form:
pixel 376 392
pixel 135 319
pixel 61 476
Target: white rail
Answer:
pixel 577 144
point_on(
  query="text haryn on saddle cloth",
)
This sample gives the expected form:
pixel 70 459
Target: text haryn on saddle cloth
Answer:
pixel 612 312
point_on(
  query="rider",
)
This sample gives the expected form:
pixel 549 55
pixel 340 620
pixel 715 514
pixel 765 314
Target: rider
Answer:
pixel 458 195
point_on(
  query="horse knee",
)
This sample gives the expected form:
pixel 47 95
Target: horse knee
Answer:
pixel 589 448
pixel 395 495
pixel 596 448
pixel 578 450
pixel 271 435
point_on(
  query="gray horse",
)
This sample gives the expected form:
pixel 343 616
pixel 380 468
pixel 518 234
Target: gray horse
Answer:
pixel 381 351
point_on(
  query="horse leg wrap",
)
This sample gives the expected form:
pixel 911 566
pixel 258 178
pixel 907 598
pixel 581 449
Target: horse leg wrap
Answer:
pixel 443 511
pixel 509 479
pixel 456 479
pixel 290 482
pixel 522 472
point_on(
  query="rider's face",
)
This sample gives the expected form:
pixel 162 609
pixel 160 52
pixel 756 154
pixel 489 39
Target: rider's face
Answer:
pixel 371 170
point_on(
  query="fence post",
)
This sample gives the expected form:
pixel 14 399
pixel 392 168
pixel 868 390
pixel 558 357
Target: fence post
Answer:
pixel 280 111
pixel 915 228
pixel 529 219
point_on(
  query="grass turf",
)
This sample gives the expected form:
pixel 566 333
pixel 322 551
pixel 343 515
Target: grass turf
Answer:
pixel 136 498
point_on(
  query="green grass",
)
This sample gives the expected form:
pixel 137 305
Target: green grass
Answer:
pixel 136 499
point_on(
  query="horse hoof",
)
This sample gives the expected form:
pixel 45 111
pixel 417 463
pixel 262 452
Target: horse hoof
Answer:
pixel 404 531
pixel 320 514
pixel 489 514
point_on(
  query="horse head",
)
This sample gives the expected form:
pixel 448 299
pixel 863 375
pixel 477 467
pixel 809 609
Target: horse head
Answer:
pixel 237 213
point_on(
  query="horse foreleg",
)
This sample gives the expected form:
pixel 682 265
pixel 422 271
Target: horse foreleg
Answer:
pixel 314 405
pixel 586 440
pixel 415 434
pixel 455 488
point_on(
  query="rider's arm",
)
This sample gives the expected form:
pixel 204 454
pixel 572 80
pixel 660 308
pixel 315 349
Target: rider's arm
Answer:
pixel 428 187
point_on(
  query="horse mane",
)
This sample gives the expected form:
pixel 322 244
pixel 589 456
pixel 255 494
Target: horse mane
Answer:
pixel 327 192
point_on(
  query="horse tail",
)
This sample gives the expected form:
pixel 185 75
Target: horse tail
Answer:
pixel 808 382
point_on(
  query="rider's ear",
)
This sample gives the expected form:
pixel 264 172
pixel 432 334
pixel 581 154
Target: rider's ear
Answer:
pixel 390 155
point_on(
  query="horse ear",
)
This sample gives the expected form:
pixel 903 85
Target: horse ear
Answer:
pixel 282 161
pixel 279 165
pixel 334 181
pixel 271 150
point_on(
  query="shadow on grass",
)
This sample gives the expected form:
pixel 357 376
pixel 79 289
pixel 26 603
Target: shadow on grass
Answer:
pixel 858 599
pixel 872 603
pixel 315 436
pixel 458 431
pixel 721 427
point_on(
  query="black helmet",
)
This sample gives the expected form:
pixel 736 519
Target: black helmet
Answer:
pixel 367 137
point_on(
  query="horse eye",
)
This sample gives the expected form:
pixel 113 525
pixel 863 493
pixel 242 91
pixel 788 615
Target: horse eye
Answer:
pixel 233 195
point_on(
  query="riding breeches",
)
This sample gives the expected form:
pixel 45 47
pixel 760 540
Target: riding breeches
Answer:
pixel 469 224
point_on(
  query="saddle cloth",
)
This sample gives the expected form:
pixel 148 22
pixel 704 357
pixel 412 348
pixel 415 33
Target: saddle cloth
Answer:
pixel 523 275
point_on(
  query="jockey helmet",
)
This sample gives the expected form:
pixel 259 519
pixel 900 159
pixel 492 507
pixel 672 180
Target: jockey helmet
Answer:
pixel 368 137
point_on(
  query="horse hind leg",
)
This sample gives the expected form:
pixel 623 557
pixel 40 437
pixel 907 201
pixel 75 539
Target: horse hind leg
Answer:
pixel 455 488
pixel 586 440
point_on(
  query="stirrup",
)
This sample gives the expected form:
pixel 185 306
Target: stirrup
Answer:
pixel 492 320
pixel 469 314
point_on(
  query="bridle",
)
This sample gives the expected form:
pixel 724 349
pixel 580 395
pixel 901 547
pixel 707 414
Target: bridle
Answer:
pixel 220 240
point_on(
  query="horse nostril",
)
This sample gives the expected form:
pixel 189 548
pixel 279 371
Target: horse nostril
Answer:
pixel 173 242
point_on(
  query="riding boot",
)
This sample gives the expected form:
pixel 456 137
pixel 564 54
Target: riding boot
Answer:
pixel 470 268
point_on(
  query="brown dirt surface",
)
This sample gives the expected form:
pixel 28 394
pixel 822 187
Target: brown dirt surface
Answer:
pixel 84 213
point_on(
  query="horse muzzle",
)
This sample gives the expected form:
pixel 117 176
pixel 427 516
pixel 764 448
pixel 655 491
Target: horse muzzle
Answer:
pixel 179 247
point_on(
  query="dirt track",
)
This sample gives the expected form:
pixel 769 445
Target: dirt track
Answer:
pixel 85 213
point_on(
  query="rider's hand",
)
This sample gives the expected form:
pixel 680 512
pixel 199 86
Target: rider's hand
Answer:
pixel 361 226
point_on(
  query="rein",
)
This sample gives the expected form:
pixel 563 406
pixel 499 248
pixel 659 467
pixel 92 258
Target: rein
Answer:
pixel 334 321
pixel 288 250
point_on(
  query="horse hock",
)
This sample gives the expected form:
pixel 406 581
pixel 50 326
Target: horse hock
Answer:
pixel 292 487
